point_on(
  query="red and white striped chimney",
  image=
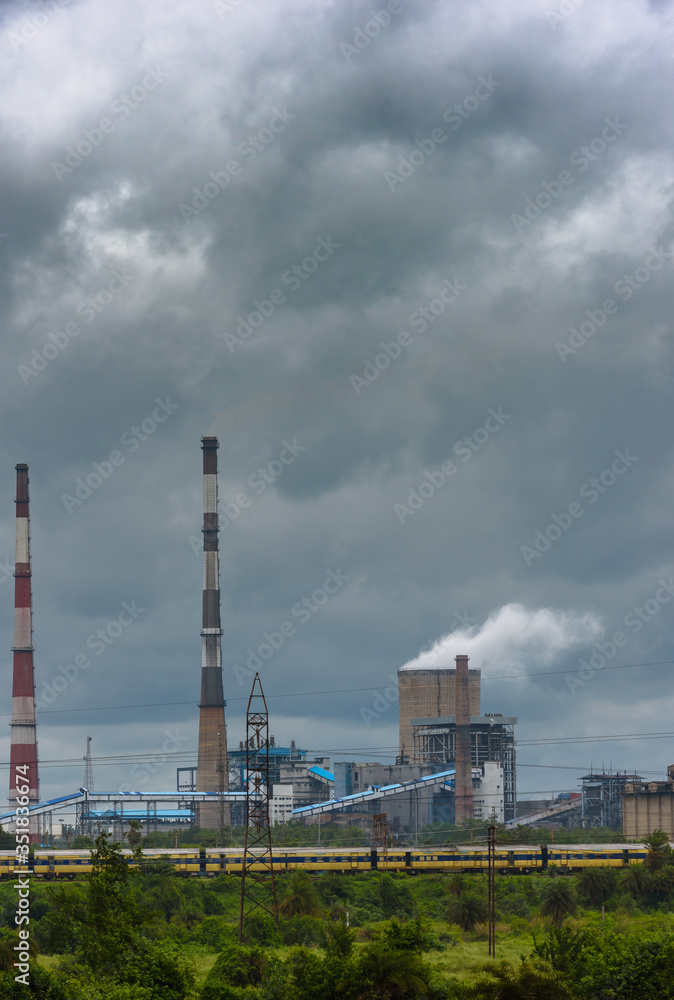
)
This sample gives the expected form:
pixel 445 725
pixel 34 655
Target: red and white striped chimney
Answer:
pixel 23 753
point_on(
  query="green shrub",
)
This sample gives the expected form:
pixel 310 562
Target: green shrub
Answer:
pixel 301 930
pixel 162 972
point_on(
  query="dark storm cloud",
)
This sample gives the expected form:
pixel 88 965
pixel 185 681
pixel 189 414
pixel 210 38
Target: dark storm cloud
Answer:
pixel 522 161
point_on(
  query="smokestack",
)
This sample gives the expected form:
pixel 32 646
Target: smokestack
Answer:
pixel 23 752
pixel 212 773
pixel 463 783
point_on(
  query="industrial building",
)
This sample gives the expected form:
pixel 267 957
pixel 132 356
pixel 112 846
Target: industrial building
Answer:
pixel 281 804
pixel 409 811
pixel 492 738
pixel 649 806
pixel 310 779
pixel 602 797
pixel 441 723
pixel 488 803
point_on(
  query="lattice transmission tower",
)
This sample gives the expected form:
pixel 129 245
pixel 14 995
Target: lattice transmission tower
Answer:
pixel 257 877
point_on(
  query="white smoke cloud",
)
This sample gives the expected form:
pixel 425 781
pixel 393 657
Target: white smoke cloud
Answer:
pixel 513 640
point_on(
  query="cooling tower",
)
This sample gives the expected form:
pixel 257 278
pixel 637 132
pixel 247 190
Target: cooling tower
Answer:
pixel 430 693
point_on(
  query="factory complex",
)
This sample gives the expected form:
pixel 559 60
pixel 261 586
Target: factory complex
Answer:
pixel 455 763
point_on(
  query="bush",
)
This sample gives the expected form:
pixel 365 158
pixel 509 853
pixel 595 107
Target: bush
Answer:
pixel 301 930
pixel 42 986
pixel 215 933
pixel 162 972
pixel 237 965
pixel 259 928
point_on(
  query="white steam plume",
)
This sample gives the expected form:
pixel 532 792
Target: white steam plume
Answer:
pixel 513 640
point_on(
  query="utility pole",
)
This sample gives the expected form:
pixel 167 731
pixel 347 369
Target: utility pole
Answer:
pixel 221 790
pixel 380 835
pixel 491 854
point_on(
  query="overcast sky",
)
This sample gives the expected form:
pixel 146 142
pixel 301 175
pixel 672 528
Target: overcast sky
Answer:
pixel 415 266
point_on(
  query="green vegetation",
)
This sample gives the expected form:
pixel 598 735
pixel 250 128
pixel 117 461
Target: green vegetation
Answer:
pixel 145 933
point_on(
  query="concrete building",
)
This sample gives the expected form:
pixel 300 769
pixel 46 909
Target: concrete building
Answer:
pixel 492 738
pixel 427 693
pixel 312 780
pixel 488 793
pixel 649 806
pixel 281 804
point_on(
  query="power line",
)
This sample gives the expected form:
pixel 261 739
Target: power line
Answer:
pixel 312 694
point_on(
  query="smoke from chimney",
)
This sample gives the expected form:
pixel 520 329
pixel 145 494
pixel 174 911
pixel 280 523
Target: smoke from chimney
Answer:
pixel 511 639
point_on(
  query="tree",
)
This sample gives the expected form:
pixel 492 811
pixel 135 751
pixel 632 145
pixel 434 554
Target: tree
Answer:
pixel 596 884
pixel 636 880
pixel 564 949
pixel 409 936
pixel 467 909
pixel 9 941
pixel 395 974
pixel 43 986
pixel 134 836
pixel 394 895
pixel 301 897
pixel 663 882
pixel 530 981
pixel 338 938
pixel 659 851
pixel 80 842
pixel 559 900
pixel 457 883
pixel 7 840
pixel 112 916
